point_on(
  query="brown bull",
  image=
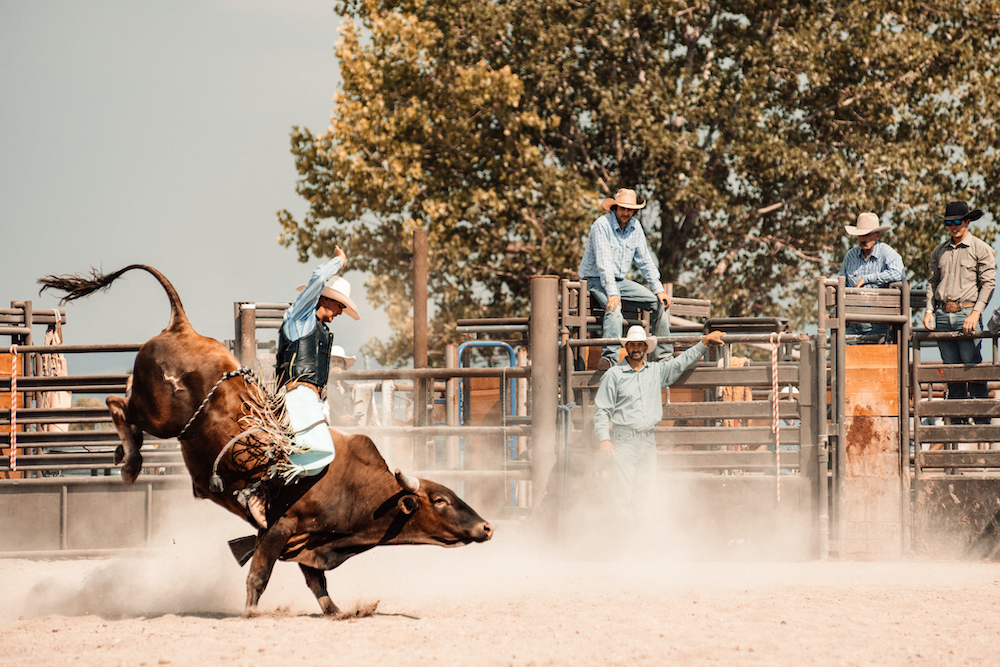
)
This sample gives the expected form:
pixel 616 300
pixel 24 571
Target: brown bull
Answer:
pixel 320 522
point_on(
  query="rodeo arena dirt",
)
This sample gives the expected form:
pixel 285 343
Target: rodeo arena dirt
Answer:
pixel 814 507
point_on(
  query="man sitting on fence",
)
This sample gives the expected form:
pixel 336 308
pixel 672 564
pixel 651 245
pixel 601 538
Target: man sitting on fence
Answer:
pixel 616 240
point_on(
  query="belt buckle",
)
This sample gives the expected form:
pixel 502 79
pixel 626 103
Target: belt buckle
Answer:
pixel 951 307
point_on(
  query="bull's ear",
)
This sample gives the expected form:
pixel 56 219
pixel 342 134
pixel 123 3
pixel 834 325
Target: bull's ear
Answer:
pixel 408 504
pixel 411 484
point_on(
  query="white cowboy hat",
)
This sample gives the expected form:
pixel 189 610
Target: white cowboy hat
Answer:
pixel 339 290
pixel 625 198
pixel 867 223
pixel 637 334
pixel 337 352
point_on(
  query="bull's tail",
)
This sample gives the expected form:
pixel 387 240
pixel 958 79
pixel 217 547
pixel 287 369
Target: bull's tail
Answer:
pixel 81 285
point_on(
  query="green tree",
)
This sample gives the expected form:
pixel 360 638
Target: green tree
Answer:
pixel 756 130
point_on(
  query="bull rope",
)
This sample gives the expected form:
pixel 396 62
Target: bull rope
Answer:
pixel 13 407
pixel 242 370
pixel 775 338
pixel 215 483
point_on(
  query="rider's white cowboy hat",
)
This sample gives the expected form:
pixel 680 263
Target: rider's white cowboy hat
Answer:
pixel 339 290
pixel 867 223
pixel 337 352
pixel 625 198
pixel 637 334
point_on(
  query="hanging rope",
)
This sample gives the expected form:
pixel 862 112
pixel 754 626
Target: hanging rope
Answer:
pixel 775 339
pixel 13 407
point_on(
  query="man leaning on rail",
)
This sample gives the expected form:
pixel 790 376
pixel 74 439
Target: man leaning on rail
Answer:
pixel 871 263
pixel 627 408
pixel 963 273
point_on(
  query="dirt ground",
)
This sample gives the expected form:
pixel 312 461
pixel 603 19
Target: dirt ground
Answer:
pixel 507 602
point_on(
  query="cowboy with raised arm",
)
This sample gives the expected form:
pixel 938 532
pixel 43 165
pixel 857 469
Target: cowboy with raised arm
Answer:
pixel 303 368
pixel 616 240
pixel 871 263
pixel 627 408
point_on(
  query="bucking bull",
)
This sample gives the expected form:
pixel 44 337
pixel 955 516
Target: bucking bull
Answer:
pixel 318 522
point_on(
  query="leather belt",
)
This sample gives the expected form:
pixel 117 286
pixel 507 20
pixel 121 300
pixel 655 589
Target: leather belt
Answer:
pixel 954 306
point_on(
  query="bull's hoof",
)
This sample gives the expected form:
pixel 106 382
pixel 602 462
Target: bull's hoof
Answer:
pixel 364 611
pixel 250 612
pixel 131 468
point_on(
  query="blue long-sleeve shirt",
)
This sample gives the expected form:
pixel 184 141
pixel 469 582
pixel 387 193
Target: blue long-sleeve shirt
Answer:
pixel 300 318
pixel 882 267
pixel 632 398
pixel 611 251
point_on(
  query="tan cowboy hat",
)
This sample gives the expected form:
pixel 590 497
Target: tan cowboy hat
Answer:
pixel 637 334
pixel 867 223
pixel 339 290
pixel 625 198
pixel 337 352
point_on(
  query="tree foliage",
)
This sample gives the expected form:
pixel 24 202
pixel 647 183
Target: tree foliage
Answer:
pixel 756 130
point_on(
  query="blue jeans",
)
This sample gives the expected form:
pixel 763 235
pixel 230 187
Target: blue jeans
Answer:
pixel 635 295
pixel 868 329
pixel 633 482
pixel 960 352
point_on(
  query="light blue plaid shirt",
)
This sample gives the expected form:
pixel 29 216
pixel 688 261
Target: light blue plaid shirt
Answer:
pixel 882 267
pixel 611 250
pixel 632 398
pixel 300 318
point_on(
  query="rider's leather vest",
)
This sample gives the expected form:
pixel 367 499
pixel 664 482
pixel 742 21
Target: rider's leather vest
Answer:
pixel 306 359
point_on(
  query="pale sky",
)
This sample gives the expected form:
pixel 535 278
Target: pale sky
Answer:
pixel 158 133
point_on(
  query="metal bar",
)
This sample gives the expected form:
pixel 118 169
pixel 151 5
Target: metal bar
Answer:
pixel 420 323
pixel 950 433
pixel 903 363
pixel 544 352
pixel 475 321
pixel 717 436
pixel 734 409
pixel 962 459
pixel 727 460
pixel 429 373
pixel 70 349
pixel 427 431
pixel 493 328
pixel 452 443
pixel 840 468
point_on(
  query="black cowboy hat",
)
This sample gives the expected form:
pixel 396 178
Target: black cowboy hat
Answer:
pixel 959 210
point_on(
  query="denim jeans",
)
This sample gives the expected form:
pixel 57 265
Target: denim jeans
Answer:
pixel 868 329
pixel 960 352
pixel 633 483
pixel 636 295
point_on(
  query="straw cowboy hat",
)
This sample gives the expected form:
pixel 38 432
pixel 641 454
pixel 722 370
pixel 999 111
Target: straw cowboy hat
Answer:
pixel 337 352
pixel 637 334
pixel 339 290
pixel 959 210
pixel 867 223
pixel 625 198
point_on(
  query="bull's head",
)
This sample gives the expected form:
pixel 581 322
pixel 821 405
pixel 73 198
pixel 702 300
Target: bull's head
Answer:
pixel 437 515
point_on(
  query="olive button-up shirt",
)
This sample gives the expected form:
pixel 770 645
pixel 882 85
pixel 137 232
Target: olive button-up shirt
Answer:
pixel 964 272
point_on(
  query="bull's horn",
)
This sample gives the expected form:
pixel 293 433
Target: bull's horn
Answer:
pixel 408 483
